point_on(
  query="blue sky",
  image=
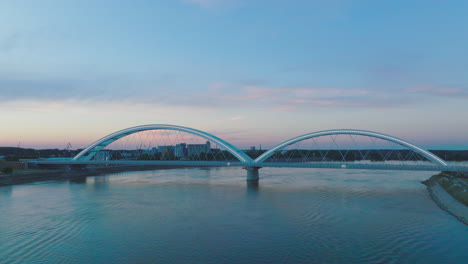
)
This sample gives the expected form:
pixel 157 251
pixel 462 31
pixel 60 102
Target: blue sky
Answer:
pixel 251 72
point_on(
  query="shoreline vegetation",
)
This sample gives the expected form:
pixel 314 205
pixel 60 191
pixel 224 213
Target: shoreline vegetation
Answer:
pixel 449 190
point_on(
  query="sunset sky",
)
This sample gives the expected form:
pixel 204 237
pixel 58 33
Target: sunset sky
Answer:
pixel 249 71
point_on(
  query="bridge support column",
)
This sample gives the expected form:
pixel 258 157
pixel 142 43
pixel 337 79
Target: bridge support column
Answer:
pixel 252 173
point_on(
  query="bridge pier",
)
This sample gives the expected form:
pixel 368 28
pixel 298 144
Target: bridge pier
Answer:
pixel 252 173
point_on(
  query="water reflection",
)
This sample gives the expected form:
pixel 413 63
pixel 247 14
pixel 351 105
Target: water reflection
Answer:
pixel 252 187
pixel 198 216
pixel 6 191
pixel 101 182
pixel 78 180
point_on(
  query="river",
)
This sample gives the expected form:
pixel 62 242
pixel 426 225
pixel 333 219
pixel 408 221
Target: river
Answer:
pixel 211 215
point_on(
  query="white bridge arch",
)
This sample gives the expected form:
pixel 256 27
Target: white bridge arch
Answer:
pixel 103 142
pixel 401 142
pixel 252 166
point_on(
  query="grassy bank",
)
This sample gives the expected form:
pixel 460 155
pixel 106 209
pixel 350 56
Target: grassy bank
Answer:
pixel 449 190
pixel 454 183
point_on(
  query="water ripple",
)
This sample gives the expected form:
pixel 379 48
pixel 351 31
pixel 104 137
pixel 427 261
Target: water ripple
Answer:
pixel 164 217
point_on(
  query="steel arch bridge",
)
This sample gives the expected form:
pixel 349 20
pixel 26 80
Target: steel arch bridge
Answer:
pixel 90 151
pixel 85 157
pixel 401 142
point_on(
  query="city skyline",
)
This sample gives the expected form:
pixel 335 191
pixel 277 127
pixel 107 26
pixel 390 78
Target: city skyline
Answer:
pixel 249 72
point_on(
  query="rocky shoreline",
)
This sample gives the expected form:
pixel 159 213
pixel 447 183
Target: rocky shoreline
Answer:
pixel 450 192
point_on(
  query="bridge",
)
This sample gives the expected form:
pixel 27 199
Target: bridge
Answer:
pixel 172 145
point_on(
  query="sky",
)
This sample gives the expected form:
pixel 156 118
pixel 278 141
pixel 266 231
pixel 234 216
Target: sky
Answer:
pixel 249 71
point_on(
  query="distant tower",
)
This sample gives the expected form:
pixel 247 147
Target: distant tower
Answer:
pixel 18 148
pixel 68 149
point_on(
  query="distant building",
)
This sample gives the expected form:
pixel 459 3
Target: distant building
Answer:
pixel 151 151
pixel 127 155
pixel 166 151
pixel 252 148
pixel 180 150
pixel 197 149
pixel 102 155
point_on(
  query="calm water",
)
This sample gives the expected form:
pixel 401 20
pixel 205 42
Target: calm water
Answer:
pixel 212 216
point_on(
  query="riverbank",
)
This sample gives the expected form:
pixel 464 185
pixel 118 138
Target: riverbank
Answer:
pixel 36 175
pixel 449 190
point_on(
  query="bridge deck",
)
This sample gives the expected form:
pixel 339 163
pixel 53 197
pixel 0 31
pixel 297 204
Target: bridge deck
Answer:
pixel 325 165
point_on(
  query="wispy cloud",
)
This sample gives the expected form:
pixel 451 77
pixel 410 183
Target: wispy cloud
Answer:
pixel 237 118
pixel 435 90
pixel 217 95
pixel 299 98
pixel 290 98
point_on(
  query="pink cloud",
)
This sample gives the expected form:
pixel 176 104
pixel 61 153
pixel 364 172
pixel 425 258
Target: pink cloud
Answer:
pixel 237 118
pixel 295 98
pixel 256 92
pixel 285 108
pixel 287 98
